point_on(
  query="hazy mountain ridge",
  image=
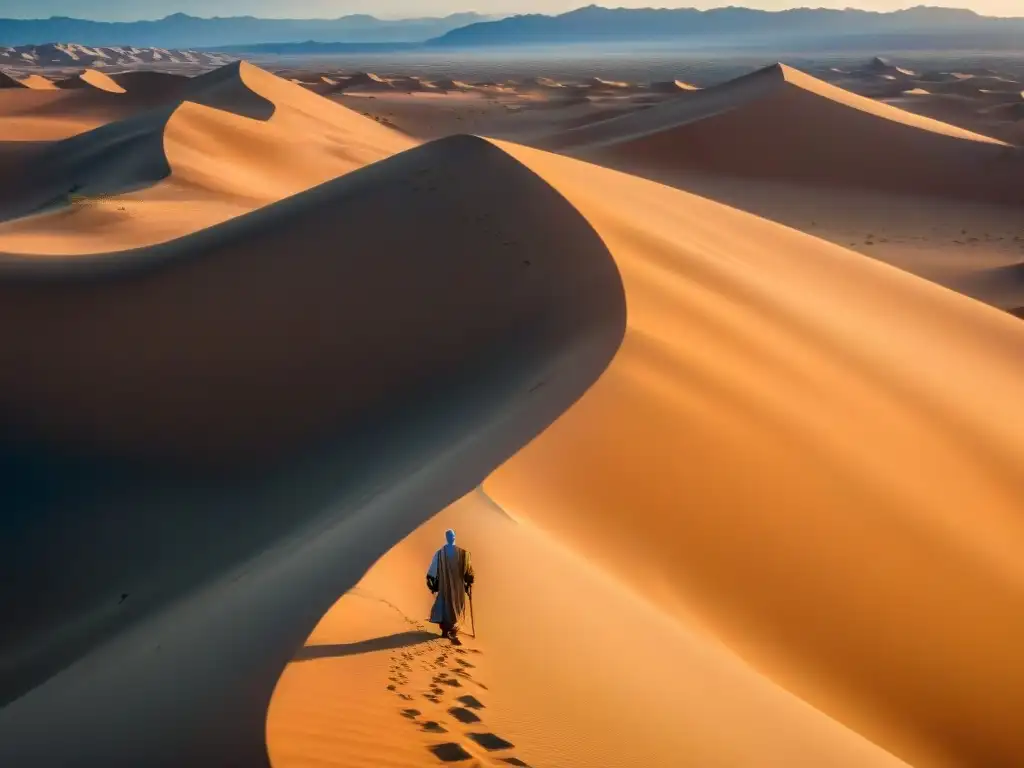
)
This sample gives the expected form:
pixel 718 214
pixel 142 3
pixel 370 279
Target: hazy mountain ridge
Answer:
pixel 595 24
pixel 183 31
pixel 72 54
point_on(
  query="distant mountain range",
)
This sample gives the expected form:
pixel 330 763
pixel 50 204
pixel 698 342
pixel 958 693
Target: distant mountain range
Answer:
pixel 183 31
pixel 594 24
pixel 913 28
pixel 66 55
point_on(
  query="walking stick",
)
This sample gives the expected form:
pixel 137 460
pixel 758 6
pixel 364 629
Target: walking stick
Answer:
pixel 472 618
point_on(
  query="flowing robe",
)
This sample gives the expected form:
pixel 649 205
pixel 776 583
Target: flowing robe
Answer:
pixel 452 569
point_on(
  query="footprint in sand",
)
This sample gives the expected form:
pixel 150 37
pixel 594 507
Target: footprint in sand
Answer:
pixel 471 702
pixel 464 715
pixel 490 741
pixel 450 752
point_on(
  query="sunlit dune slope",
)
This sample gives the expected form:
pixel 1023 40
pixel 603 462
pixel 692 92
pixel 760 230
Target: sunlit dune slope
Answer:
pixel 242 138
pixel 38 82
pixel 241 421
pixel 49 114
pixel 819 454
pixel 781 123
pixel 568 667
pixel 90 78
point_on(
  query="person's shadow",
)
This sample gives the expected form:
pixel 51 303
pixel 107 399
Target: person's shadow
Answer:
pixel 387 642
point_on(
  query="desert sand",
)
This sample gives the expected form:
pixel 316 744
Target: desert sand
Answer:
pixel 738 493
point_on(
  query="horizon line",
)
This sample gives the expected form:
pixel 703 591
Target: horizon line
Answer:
pixel 497 15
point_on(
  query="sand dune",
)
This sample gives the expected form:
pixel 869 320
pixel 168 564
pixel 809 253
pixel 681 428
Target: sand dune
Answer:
pixel 29 114
pixel 365 81
pixel 270 337
pixel 156 85
pixel 960 98
pixel 448 84
pixel 91 78
pixel 423 354
pixel 6 81
pixel 780 123
pixel 673 86
pixel 824 453
pixel 568 669
pixel 881 66
pixel 775 468
pixel 38 82
pixel 229 145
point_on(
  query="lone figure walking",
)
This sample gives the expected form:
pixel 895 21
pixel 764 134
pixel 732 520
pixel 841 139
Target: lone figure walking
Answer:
pixel 450 577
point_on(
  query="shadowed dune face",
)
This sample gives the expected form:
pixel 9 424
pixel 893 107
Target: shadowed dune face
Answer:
pixel 826 455
pixel 241 421
pixel 203 268
pixel 152 84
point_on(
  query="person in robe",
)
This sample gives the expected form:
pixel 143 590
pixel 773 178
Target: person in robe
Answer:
pixel 450 577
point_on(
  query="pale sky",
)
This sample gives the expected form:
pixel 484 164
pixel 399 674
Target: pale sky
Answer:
pixel 124 10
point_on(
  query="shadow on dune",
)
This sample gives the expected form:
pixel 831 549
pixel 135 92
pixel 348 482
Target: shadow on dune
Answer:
pixel 386 643
pixel 1002 286
pixel 204 443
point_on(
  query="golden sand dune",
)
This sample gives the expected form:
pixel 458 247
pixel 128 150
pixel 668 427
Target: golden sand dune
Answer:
pixel 778 531
pixel 782 529
pixel 569 668
pixel 38 114
pixel 38 82
pixel 44 111
pixel 229 146
pixel 781 123
pixel 333 379
pixel 673 86
pixel 91 78
pixel 818 453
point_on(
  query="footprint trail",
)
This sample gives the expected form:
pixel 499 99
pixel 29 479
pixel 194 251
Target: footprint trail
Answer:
pixel 440 696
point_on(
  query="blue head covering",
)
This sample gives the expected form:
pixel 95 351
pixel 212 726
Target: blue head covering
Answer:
pixel 449 536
